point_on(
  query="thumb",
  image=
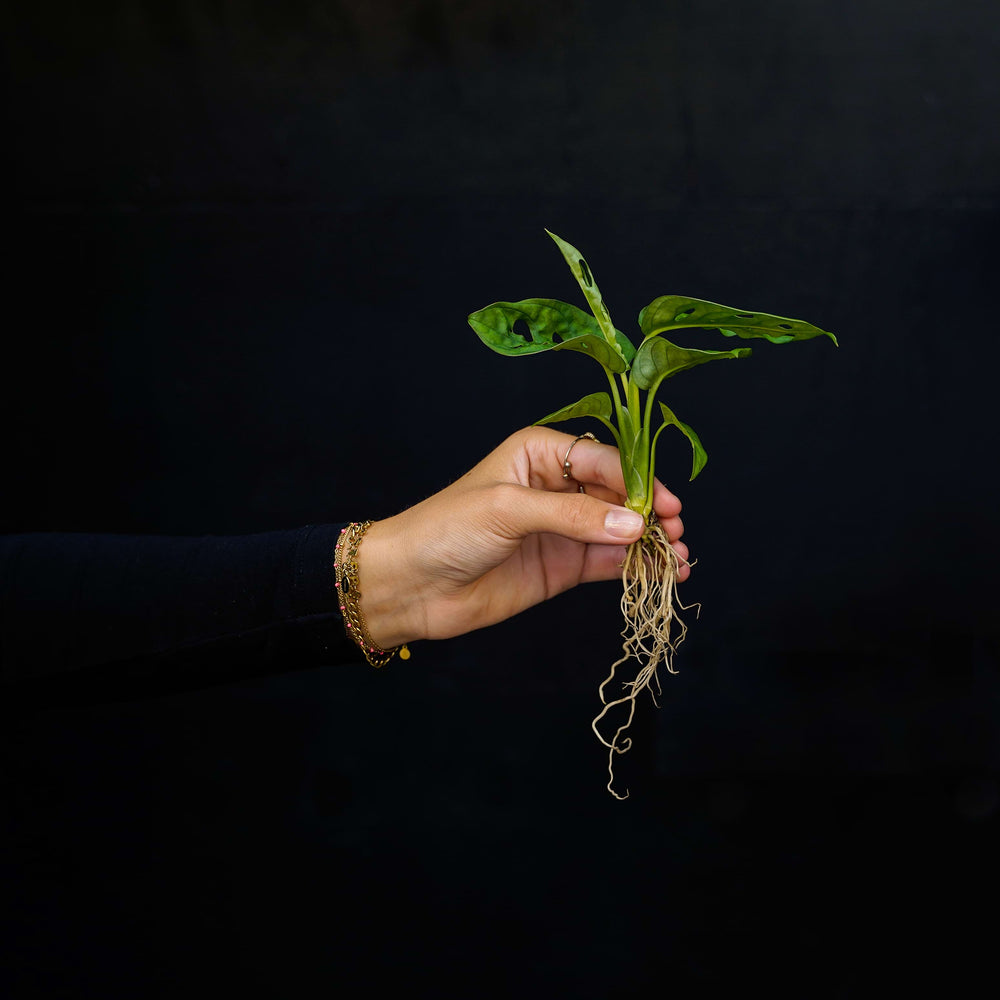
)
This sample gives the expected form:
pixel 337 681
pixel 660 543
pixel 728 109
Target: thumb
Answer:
pixel 573 515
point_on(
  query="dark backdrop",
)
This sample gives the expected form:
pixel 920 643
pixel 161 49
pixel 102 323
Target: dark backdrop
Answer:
pixel 243 242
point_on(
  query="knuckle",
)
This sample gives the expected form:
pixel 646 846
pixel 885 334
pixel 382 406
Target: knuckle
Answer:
pixel 502 501
pixel 520 438
pixel 505 495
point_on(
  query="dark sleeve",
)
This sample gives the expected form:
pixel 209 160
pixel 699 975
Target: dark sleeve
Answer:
pixel 86 617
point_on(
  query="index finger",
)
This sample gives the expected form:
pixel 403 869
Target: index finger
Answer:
pixel 590 462
pixel 593 463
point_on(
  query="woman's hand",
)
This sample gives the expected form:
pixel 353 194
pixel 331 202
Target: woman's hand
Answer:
pixel 509 534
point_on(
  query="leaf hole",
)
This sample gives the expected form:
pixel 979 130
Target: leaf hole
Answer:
pixel 585 271
pixel 746 315
pixel 683 314
pixel 786 326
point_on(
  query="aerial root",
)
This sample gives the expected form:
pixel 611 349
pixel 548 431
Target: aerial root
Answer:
pixel 649 606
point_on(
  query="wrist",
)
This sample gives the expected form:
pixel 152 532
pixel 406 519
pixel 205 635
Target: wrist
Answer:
pixel 388 599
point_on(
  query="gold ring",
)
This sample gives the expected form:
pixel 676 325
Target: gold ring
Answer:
pixel 568 465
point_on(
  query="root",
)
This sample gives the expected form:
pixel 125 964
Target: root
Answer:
pixel 649 606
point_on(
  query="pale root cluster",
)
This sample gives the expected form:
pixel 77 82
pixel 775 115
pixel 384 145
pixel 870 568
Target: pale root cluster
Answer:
pixel 649 605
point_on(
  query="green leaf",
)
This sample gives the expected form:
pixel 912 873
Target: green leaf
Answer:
pixel 585 279
pixel 597 404
pixel 658 359
pixel 699 457
pixel 551 325
pixel 674 312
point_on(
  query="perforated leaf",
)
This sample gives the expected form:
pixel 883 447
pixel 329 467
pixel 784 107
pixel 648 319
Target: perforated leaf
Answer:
pixel 585 279
pixel 535 325
pixel 674 312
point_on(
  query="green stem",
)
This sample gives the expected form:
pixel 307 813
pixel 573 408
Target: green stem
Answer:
pixel 652 460
pixel 633 397
pixel 647 418
pixel 627 437
pixel 617 399
pixel 647 421
pixel 646 461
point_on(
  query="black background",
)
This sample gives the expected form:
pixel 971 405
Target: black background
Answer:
pixel 244 241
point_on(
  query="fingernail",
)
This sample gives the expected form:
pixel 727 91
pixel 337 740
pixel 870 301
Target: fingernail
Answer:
pixel 623 523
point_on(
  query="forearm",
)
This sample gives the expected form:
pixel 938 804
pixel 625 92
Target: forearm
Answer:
pixel 99 603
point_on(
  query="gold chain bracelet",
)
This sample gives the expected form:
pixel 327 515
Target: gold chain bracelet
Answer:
pixel 345 565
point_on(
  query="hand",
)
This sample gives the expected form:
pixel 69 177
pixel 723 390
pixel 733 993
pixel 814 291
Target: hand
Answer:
pixel 509 534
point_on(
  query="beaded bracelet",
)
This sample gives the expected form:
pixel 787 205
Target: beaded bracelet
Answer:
pixel 345 565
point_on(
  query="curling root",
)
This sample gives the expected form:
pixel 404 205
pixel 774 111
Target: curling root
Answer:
pixel 652 632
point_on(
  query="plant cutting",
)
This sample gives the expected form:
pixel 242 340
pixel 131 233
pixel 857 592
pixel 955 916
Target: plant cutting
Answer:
pixel 649 602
